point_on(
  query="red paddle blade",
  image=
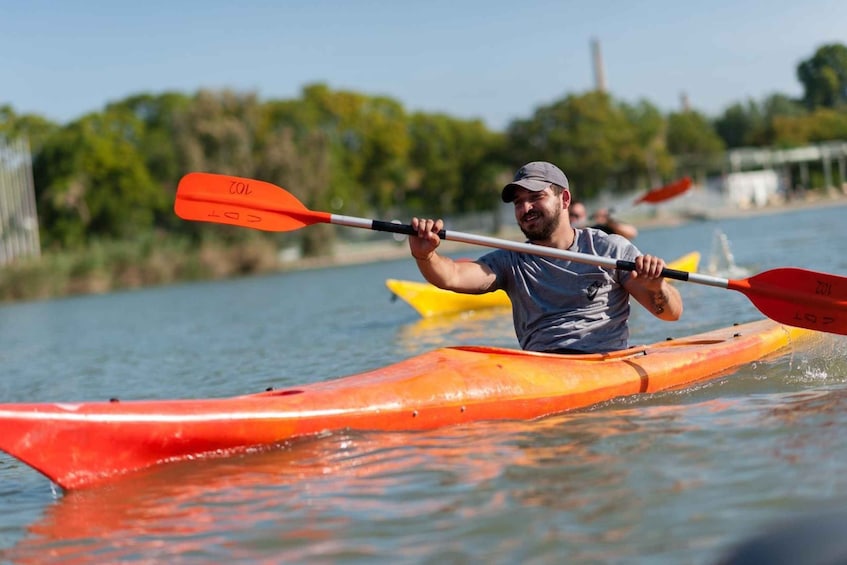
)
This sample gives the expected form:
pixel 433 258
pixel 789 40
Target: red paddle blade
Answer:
pixel 797 297
pixel 666 192
pixel 237 201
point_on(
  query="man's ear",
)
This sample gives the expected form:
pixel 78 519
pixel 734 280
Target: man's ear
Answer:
pixel 566 198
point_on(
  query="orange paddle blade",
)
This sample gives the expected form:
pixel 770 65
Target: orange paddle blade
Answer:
pixel 225 199
pixel 666 192
pixel 797 297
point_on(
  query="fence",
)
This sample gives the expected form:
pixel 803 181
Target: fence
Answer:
pixel 18 217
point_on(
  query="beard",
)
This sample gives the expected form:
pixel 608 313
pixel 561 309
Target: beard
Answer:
pixel 543 229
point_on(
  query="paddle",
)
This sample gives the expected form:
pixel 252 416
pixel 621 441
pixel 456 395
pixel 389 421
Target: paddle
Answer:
pixel 654 196
pixel 791 296
pixel 666 192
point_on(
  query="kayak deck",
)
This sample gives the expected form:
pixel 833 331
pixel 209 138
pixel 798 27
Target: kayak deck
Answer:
pixel 80 444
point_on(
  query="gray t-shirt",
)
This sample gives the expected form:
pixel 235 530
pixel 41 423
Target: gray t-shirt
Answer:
pixel 562 304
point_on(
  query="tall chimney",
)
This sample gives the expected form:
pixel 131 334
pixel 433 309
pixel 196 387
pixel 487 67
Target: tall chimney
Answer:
pixel 599 73
pixel 684 102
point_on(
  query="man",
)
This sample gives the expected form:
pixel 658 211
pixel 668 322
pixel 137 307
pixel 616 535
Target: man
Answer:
pixel 578 214
pixel 558 305
pixel 603 220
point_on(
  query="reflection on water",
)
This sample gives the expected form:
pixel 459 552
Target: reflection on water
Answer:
pixel 306 497
pixel 579 482
pixel 187 508
pixel 492 326
pixel 674 477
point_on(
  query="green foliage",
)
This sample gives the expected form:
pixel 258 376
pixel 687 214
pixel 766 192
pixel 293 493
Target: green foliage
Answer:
pixel 334 150
pixel 35 128
pixel 650 150
pixel 454 165
pixel 149 259
pixel 157 139
pixel 753 124
pixel 823 124
pixel 739 123
pixel 690 133
pixel 824 77
pixel 217 132
pixel 111 176
pixel 598 142
pixel 91 181
pixel 370 142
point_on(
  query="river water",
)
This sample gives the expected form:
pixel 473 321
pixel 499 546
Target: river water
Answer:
pixel 674 477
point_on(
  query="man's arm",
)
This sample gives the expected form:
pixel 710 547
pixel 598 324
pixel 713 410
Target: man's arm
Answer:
pixel 603 217
pixel 459 276
pixel 621 228
pixel 652 291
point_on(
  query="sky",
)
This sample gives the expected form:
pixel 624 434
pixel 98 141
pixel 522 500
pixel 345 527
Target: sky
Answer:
pixel 492 60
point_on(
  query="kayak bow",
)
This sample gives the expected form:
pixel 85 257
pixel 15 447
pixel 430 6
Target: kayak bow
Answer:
pixel 82 444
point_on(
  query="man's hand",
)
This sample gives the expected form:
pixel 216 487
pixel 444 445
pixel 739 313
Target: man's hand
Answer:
pixel 648 268
pixel 427 241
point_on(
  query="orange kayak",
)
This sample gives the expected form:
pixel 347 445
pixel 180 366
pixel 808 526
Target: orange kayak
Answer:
pixel 82 444
pixel 429 300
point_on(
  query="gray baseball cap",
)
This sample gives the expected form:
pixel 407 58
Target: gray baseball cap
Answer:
pixel 535 176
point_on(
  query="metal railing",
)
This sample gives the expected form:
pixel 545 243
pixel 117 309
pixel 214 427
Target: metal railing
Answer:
pixel 18 217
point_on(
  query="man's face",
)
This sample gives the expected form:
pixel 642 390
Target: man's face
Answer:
pixel 538 213
pixel 577 215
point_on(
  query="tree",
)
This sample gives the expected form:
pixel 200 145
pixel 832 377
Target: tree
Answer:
pixel 690 133
pixel 650 149
pixel 598 142
pixel 824 124
pixel 370 137
pixel 752 124
pixel 217 132
pixel 777 107
pixel 739 124
pixel 92 182
pixel 157 116
pixel 584 134
pixel 453 165
pixel 824 77
pixel 35 128
pixel 157 144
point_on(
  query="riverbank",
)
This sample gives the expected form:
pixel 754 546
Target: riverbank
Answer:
pixel 161 259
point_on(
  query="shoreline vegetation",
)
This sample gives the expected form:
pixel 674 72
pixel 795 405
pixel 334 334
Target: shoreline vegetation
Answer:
pixel 100 188
pixel 160 259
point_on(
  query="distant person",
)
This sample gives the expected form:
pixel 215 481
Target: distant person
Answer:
pixel 578 214
pixel 558 305
pixel 602 220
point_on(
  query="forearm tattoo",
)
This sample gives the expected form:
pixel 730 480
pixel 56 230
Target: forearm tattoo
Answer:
pixel 660 300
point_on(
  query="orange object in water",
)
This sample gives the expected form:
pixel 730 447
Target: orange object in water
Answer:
pixel 666 192
pixel 80 444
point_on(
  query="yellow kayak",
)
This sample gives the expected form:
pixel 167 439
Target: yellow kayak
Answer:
pixel 430 300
